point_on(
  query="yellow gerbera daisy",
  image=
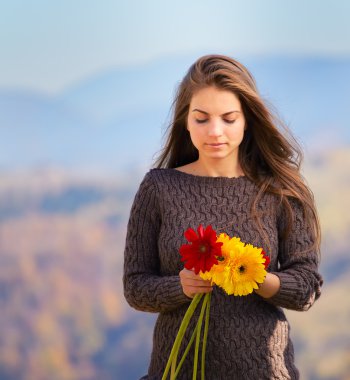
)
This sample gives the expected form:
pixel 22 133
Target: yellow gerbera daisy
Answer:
pixel 229 245
pixel 240 269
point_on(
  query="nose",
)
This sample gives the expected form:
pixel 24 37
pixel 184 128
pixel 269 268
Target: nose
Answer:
pixel 215 128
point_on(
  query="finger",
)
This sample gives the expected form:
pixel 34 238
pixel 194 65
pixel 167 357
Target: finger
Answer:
pixel 190 274
pixel 195 282
pixel 198 289
pixel 187 273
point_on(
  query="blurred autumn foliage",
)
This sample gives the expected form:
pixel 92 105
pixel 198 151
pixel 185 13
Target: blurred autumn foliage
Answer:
pixel 63 315
pixel 60 277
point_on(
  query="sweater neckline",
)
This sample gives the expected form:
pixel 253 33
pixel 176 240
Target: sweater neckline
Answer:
pixel 206 180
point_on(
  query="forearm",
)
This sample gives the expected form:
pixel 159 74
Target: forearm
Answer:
pixel 296 265
pixel 154 293
pixel 269 287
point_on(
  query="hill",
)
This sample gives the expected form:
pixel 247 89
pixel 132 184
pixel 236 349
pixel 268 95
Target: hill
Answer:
pixel 105 121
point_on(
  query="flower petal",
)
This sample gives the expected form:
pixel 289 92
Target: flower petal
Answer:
pixel 190 235
pixel 241 269
pixel 203 250
pixel 200 231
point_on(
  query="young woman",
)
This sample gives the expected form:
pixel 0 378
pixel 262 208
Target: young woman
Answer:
pixel 225 164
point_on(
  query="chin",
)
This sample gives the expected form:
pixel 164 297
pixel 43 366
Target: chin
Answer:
pixel 217 156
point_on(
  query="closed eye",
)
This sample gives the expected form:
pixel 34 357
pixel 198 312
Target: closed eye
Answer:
pixel 229 121
pixel 201 121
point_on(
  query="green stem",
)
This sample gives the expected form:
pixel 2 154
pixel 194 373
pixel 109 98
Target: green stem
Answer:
pixel 200 319
pixel 185 321
pixel 205 335
pixel 173 366
pixel 189 345
pixel 186 352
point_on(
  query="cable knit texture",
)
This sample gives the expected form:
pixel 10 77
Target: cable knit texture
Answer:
pixel 248 336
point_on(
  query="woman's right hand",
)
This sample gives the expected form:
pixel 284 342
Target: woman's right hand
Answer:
pixel 192 283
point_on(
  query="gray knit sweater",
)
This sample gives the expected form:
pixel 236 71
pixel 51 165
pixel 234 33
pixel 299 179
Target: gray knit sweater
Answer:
pixel 248 336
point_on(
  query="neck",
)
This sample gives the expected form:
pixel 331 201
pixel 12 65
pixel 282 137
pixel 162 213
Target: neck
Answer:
pixel 218 168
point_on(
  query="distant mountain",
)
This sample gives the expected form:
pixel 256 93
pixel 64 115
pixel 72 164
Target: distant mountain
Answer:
pixel 117 118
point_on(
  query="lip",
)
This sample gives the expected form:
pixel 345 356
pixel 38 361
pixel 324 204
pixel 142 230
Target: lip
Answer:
pixel 215 145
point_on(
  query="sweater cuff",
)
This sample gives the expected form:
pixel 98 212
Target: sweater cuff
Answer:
pixel 175 292
pixel 288 292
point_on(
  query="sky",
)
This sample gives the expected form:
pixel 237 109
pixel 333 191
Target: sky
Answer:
pixel 46 46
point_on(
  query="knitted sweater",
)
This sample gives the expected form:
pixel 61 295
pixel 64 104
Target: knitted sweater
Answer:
pixel 248 336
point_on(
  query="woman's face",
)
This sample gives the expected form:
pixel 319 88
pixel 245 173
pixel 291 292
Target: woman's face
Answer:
pixel 216 123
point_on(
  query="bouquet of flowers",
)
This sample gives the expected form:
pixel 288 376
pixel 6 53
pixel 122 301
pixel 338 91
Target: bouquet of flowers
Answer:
pixel 227 262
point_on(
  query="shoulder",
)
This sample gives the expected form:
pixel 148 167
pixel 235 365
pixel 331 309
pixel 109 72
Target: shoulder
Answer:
pixel 156 175
pixel 150 190
pixel 149 185
pixel 159 178
pixel 171 177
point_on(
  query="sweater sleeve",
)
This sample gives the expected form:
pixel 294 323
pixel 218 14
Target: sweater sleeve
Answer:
pixel 145 288
pixel 300 282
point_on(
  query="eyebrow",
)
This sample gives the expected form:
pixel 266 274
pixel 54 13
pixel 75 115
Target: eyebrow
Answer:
pixel 206 113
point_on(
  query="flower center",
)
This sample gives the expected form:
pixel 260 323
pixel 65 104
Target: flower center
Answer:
pixel 241 269
pixel 202 248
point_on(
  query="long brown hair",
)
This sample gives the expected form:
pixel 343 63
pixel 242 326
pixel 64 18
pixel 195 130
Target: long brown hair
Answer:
pixel 268 157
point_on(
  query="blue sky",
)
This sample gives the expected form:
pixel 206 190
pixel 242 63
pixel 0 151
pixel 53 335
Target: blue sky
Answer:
pixel 46 45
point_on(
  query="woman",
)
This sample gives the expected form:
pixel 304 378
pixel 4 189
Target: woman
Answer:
pixel 225 164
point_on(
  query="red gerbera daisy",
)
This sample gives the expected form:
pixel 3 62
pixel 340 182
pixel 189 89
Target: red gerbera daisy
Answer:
pixel 202 252
pixel 267 259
